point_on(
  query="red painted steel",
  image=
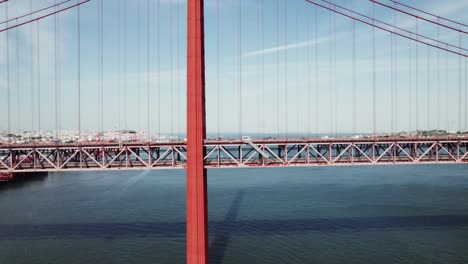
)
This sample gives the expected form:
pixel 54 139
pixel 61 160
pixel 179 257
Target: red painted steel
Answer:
pixel 197 225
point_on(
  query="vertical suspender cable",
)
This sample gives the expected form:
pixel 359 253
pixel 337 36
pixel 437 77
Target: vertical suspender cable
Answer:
pixel 218 119
pixel 38 78
pixel 148 70
pixel 263 68
pixel 159 69
pixel 417 78
pixel 354 78
pixel 258 64
pixel 119 68
pixel 277 69
pixel 240 67
pixel 428 88
pixel 438 81
pixel 447 122
pixel 33 125
pixel 286 66
pixel 179 98
pixel 59 125
pixel 392 85
pixel 298 87
pixel 316 73
pixel 79 74
pixel 309 101
pixel 410 88
pixel 99 68
pixel 460 94
pixel 374 117
pixel 466 94
pixel 125 103
pixel 171 6
pixel 330 73
pixel 7 50
pixel 139 66
pixel 55 74
pixel 18 110
pixel 394 80
pixel 335 92
pixel 102 67
pixel 171 64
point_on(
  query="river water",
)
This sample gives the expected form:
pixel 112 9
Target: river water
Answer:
pixel 394 214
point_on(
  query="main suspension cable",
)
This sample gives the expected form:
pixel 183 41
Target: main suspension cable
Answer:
pixel 422 18
pixel 427 13
pixel 44 16
pixel 55 5
pixel 387 30
pixel 393 25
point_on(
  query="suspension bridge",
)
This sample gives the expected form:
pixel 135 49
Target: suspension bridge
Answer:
pixel 283 111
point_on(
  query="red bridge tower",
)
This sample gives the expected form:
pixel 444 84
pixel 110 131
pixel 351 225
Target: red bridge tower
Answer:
pixel 197 216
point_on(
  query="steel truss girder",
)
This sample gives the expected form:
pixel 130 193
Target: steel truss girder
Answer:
pixel 232 154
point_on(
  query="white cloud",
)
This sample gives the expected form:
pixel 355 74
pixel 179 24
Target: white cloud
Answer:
pixel 296 45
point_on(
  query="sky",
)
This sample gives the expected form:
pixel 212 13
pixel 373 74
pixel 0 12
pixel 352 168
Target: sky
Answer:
pixel 292 72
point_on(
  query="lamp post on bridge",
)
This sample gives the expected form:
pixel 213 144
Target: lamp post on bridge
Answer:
pixel 197 215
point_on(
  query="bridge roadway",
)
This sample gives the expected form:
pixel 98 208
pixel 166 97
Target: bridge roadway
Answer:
pixel 233 153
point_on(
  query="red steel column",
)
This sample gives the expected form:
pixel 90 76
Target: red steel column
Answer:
pixel 197 225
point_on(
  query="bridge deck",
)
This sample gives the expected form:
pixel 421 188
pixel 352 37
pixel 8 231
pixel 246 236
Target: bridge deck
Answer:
pixel 234 153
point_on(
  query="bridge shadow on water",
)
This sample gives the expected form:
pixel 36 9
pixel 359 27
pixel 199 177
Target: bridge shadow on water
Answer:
pixel 223 231
pixel 230 226
pixel 24 180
